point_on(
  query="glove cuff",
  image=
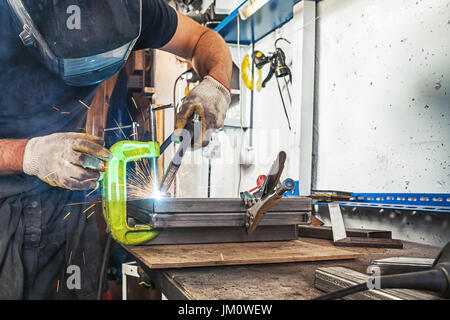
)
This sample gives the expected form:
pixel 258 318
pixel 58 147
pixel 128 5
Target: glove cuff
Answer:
pixel 214 78
pixel 30 158
pixel 219 86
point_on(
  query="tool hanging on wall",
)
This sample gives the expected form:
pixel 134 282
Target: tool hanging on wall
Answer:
pixel 279 68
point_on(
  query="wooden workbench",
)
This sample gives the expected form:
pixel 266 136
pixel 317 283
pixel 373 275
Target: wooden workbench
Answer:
pixel 287 281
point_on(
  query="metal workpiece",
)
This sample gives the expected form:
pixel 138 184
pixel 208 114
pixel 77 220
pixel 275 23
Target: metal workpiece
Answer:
pixel 218 220
pixel 214 205
pixel 337 222
pixel 211 220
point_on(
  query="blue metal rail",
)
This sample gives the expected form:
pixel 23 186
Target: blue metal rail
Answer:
pixel 430 202
pixel 414 199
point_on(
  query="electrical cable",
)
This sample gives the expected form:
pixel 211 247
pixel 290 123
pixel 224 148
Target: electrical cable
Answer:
pixel 288 91
pixel 105 260
pixel 175 105
pixel 284 104
pixel 241 102
pixel 252 102
pixel 175 110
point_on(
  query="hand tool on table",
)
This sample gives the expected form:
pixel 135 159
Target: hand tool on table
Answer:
pixel 399 265
pixel 114 191
pixel 437 280
pixel 268 195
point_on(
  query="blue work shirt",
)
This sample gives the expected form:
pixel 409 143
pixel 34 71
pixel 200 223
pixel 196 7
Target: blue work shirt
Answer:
pixel 41 232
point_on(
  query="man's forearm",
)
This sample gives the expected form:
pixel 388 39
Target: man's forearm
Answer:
pixel 205 48
pixel 11 156
pixel 212 56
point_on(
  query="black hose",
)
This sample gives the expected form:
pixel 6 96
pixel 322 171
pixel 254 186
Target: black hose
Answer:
pixel 431 280
pixel 344 292
pixel 436 280
pixel 103 268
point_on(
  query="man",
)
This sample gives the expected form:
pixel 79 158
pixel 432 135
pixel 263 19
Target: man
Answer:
pixel 47 75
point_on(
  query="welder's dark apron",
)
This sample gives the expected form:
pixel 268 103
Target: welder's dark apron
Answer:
pixel 41 231
pixel 41 235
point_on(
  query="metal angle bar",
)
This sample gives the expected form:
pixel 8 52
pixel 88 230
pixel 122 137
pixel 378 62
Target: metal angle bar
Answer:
pixel 191 235
pixel 128 269
pixel 225 219
pixel 174 205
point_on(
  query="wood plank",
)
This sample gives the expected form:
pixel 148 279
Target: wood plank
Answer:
pixel 223 235
pixel 204 255
pixel 288 281
pixel 174 205
pixel 322 232
pixel 369 243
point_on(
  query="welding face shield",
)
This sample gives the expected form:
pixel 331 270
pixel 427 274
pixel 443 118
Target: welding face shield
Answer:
pixel 83 41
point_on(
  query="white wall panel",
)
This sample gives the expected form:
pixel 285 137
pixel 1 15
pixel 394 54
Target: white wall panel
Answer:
pixel 383 99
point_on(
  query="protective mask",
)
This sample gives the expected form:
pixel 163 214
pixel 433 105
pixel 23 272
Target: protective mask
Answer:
pixel 83 41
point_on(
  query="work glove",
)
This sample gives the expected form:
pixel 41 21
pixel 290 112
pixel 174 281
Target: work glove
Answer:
pixel 67 160
pixel 211 100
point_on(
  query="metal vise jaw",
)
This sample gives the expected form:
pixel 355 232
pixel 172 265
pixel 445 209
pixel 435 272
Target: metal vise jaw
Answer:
pixel 257 211
pixel 261 201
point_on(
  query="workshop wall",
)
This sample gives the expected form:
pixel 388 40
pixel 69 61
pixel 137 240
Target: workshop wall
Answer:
pixel 270 134
pixel 383 96
pixel 382 105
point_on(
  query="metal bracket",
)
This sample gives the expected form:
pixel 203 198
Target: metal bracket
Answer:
pixel 340 237
pixel 128 269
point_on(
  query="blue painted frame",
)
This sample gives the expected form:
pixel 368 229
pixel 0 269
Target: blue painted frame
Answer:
pixel 271 16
